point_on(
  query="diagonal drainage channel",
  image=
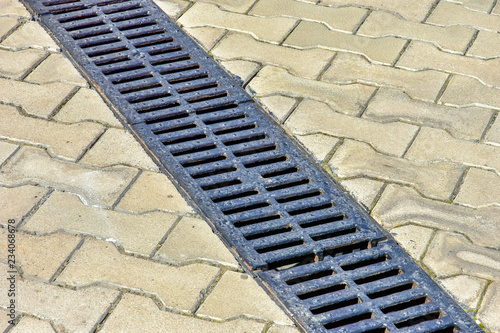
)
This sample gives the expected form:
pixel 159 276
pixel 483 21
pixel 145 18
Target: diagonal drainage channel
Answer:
pixel 309 243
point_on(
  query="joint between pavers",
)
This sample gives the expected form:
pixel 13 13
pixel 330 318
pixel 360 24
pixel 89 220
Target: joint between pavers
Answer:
pixel 365 107
pixel 327 66
pixel 98 326
pixel 471 41
pixel 363 19
pixel 90 145
pixel 35 65
pixel 411 142
pixel 492 6
pixel 132 182
pixel 35 208
pixel 290 32
pixel 205 292
pixel 20 22
pixel 66 261
pixel 63 102
pixel 459 184
pixel 443 88
pixel 164 238
pixel 405 47
pixel 493 118
pixel 434 5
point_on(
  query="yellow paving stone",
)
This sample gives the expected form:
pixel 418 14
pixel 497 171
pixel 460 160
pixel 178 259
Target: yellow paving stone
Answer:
pixel 152 191
pixel 467 289
pixel 414 239
pixel 241 69
pixel 352 68
pixel 489 311
pixel 38 100
pixel 173 8
pixel 480 188
pixel 272 29
pixel 238 6
pixel 30 325
pixel 13 7
pixel 463 91
pixel 348 98
pixel 486 45
pixel 193 239
pixel 316 117
pixel 312 34
pixel 56 68
pixel 17 201
pixel 207 36
pixel 399 205
pixel 40 256
pixel 342 18
pixel 6 149
pixel 97 186
pixel 118 146
pixel 408 9
pixel 493 135
pixel 436 180
pixel 140 314
pixel 282 329
pixel 479 5
pixel 86 104
pixel 390 105
pixel 304 63
pixel 178 287
pixel 362 189
pixel 136 233
pixel 70 310
pixel 15 64
pixel 6 24
pixel 319 145
pixel 65 141
pixel 434 144
pixel 237 294
pixel 380 24
pixel 30 35
pixel 496 9
pixel 420 56
pixel 449 13
pixel 279 106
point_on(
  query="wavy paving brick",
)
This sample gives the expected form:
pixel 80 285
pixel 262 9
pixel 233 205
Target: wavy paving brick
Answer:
pixel 489 311
pixel 450 13
pixel 30 35
pixel 363 189
pixel 238 6
pixel 467 289
pixel 7 24
pixel 478 5
pixel 13 7
pixel 319 145
pixel 25 198
pixel 30 324
pixel 6 150
pixel 493 135
pixel 56 68
pixel 464 91
pixel 480 188
pixel 486 45
pixel 14 64
pixel 413 238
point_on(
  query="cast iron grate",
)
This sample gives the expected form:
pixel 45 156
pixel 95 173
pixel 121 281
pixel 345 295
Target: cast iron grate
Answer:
pixel 293 227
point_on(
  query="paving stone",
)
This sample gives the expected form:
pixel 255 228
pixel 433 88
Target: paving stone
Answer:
pixel 16 202
pixel 38 100
pixel 343 98
pixel 390 105
pixel 178 287
pixel 237 294
pixel 173 8
pixel 207 36
pixel 118 146
pixel 70 310
pixel 316 117
pixel 30 325
pixel 319 145
pixel 414 239
pixel 486 45
pixel 449 13
pixel 480 188
pixel 436 180
pixel 364 190
pixel 15 64
pixel 408 9
pixel 493 135
pixel 40 256
pixel 193 239
pixel 153 191
pixel 86 104
pixel 241 70
pixel 4 323
pixel 278 106
pixel 56 68
pixel 351 68
pixel 238 6
pixel 6 24
pixel 433 144
pixel 466 289
pixel 496 9
pixel 340 18
pixel 479 5
pixel 136 233
pixel 140 314
pixel 97 186
pixel 65 141
pixel 271 29
pixel 311 34
pixel 282 329
pixel 304 63
pixel 399 205
pixel 422 56
pixel 464 90
pixel 381 24
pixel 6 149
pixel 30 35
pixel 13 7
pixel 490 307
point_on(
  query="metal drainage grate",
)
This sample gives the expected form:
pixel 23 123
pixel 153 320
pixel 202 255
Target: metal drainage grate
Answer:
pixel 323 256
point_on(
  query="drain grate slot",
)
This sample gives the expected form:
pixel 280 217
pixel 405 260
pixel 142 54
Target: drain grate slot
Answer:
pixel 418 320
pixel 310 277
pixel 391 291
pixel 335 306
pixel 405 305
pixel 322 291
pixel 379 276
pixel 244 223
pixel 348 321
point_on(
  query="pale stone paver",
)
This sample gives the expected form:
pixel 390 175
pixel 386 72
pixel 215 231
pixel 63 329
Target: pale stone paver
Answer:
pixel 64 141
pixel 30 35
pixel 282 329
pixel 435 180
pixel 479 5
pixel 140 314
pixel 153 191
pixel 400 205
pixel 352 68
pixel 364 190
pixel 486 45
pixel 434 144
pixel 466 288
pixel 24 197
pixel 279 106
pixel 56 68
pixel 304 63
pixel 493 135
pixel 271 29
pixel 30 324
pixel 177 287
pixel 341 18
pixel 449 13
pixel 237 293
pixel 117 146
pixel 7 24
pixel 312 34
pixel 241 70
pixel 16 64
pixel 35 255
pixel 12 7
pixel 391 105
pixel 238 6
pixel 463 91
pixel 193 239
pixel 37 100
pixel 490 307
pixel 414 239
pixel 480 188
pixel 343 98
pixel 318 144
pixel 35 166
pixel 207 36
pixel 65 212
pixel 6 149
pixel 381 24
pixel 315 117
pixel 173 8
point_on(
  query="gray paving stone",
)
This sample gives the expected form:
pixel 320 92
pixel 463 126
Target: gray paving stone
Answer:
pixel 30 35
pixel 414 239
pixel 466 289
pixel 319 145
pixel 241 70
pixel 364 190
pixel 479 188
pixel 173 8
pixel 16 202
pixel 16 64
pixel 279 106
pixel 207 36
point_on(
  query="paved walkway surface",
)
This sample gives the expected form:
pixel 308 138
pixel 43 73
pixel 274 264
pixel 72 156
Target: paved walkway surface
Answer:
pixel 398 99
